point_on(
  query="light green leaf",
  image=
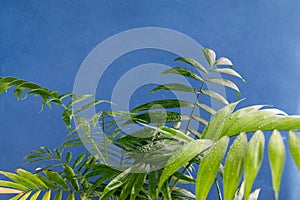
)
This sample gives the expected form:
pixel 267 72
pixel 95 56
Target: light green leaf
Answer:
pixel 32 178
pixel 54 176
pixel 71 196
pixel 19 179
pixel 254 158
pixel 214 128
pixel 234 166
pixel 35 195
pixel 223 82
pixel 182 156
pixel 294 146
pixel 192 62
pixel 207 108
pixel 175 87
pixel 229 72
pixel 210 56
pixel 277 155
pixel 17 197
pixel 215 95
pixel 25 196
pixel 209 168
pixel 47 182
pixel 184 72
pixel 223 61
pixel 13 185
pixel 47 195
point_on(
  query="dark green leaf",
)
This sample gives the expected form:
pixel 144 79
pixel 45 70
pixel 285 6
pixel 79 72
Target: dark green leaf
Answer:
pixel 175 87
pixel 192 62
pixel 184 72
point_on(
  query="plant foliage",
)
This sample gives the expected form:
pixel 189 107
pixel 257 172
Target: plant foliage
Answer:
pixel 170 133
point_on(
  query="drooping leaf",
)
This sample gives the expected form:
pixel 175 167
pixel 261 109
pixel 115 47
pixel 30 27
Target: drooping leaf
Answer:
pixel 184 72
pixel 32 178
pixel 234 166
pixel 192 62
pixel 229 72
pixel 254 158
pixel 182 156
pixel 215 96
pixel 13 185
pixel 209 168
pixel 223 61
pixel 210 56
pixel 277 155
pixel 294 146
pixel 19 179
pixel 223 82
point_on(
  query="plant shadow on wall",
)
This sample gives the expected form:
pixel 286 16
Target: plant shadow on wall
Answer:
pixel 158 160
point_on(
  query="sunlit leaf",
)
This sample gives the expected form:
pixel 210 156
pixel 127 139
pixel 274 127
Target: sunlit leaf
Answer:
pixel 215 95
pixel 234 166
pixel 294 146
pixel 35 195
pixel 277 155
pixel 192 62
pixel 13 185
pixel 209 168
pixel 228 71
pixel 32 178
pixel 184 72
pixel 214 128
pixel 254 158
pixel 210 56
pixel 9 191
pixel 223 82
pixel 181 156
pixel 54 176
pixel 223 61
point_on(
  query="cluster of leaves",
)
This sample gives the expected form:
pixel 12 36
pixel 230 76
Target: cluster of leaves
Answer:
pixel 91 177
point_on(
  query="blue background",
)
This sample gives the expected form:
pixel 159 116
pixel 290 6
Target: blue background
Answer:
pixel 46 41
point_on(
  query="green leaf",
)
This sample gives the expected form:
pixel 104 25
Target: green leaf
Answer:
pixel 47 195
pixel 13 185
pixel 294 146
pixel 71 196
pixel 184 72
pixel 210 56
pixel 229 72
pixel 277 155
pixel 58 195
pixel 137 185
pixel 159 117
pixel 254 158
pixel 152 185
pixel 19 179
pixel 47 182
pixel 223 82
pixel 208 169
pixel 182 156
pixel 223 61
pixel 71 177
pixel 215 96
pixel 17 197
pixel 207 108
pixel 192 62
pixel 35 195
pixel 214 128
pixel 79 99
pixel 165 189
pixel 54 176
pixel 127 187
pixel 79 159
pixel 68 157
pixel 234 166
pixel 167 103
pixel 25 196
pixel 175 87
pixel 32 178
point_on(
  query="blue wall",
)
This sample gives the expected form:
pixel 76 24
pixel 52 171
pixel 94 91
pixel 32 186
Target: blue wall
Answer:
pixel 46 41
